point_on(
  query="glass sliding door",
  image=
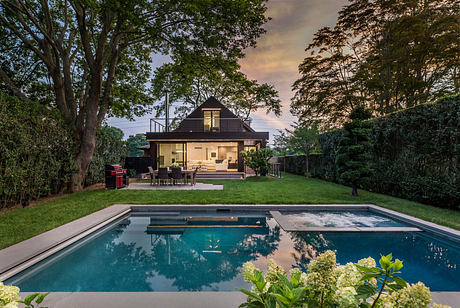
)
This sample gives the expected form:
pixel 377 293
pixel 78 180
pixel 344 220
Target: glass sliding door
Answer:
pixel 169 153
pixel 212 156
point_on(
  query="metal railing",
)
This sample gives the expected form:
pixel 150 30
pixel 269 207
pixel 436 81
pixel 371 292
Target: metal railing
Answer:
pixel 275 170
pixel 158 125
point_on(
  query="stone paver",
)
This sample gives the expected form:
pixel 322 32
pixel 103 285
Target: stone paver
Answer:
pixel 197 186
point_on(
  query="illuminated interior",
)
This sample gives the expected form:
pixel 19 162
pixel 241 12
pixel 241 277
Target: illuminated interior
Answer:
pixel 212 156
pixel 169 153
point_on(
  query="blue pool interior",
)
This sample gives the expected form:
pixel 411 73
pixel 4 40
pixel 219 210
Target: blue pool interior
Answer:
pixel 341 219
pixel 205 252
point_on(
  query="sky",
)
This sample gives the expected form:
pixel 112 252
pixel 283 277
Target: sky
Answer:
pixel 274 60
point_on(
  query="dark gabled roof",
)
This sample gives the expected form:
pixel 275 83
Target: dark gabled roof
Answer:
pixel 208 136
pixel 212 102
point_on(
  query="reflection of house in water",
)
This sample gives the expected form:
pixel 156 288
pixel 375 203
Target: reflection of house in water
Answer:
pixel 201 251
pixel 208 234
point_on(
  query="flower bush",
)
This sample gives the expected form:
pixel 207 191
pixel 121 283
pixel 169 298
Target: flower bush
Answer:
pixel 9 297
pixel 327 284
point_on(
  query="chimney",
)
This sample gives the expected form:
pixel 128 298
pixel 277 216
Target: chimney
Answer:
pixel 248 122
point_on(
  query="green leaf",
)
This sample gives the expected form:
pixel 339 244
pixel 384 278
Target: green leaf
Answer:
pixel 30 298
pixel 397 265
pixel 41 297
pixel 281 298
pixel 370 276
pixel 252 295
pixel 394 286
pixel 400 281
pixel 365 291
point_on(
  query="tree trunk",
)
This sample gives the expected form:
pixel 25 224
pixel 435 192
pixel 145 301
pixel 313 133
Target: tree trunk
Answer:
pixel 88 133
pixel 354 190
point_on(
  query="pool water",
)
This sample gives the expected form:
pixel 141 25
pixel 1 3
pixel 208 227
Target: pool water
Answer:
pixel 191 252
pixel 341 219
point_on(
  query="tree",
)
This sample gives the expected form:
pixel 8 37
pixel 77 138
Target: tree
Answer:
pixel 110 149
pixel 134 142
pixel 304 139
pixel 194 77
pixel 385 54
pixel 94 56
pixel 281 146
pixel 258 160
pixel 354 149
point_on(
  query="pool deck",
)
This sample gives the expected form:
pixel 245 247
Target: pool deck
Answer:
pixel 18 257
pixel 174 299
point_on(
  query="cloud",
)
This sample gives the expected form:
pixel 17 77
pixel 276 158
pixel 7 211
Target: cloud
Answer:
pixel 279 52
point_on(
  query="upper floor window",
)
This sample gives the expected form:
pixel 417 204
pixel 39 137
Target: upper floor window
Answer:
pixel 211 120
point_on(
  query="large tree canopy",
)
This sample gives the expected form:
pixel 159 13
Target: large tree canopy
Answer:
pixel 385 54
pixel 194 77
pixel 91 58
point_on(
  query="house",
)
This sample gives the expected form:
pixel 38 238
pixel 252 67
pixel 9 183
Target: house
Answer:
pixel 210 138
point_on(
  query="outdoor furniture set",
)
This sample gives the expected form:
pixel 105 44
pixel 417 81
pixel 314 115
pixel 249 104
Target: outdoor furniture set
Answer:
pixel 172 176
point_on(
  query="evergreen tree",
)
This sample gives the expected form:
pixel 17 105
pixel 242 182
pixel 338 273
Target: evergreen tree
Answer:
pixel 354 149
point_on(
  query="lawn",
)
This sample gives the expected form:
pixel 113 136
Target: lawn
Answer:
pixel 21 224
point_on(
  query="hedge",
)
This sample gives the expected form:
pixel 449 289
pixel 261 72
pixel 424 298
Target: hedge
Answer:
pixel 415 154
pixel 36 150
pixel 110 149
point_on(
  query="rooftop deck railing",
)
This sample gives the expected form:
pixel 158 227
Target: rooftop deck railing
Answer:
pixel 158 125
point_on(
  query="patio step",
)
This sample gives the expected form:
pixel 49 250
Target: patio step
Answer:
pixel 220 175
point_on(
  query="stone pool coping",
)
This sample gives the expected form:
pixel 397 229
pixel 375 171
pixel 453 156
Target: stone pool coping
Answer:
pixel 174 299
pixel 18 257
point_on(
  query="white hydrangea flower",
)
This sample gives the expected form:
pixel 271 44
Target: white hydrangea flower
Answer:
pixel 248 269
pixel 367 262
pixel 350 276
pixel 273 270
pixel 8 294
pixel 11 305
pixel 413 296
pixel 346 297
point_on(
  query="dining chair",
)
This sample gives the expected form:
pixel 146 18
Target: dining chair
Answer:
pixel 176 175
pixel 152 174
pixel 163 175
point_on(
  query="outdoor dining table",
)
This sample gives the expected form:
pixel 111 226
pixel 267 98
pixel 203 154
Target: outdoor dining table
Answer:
pixel 186 173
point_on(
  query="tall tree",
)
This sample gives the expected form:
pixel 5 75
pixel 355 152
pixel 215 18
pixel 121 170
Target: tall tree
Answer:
pixel 134 142
pixel 353 158
pixel 95 55
pixel 304 139
pixel 194 77
pixel 385 54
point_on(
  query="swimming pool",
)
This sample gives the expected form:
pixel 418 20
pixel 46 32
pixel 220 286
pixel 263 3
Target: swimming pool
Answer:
pixel 204 251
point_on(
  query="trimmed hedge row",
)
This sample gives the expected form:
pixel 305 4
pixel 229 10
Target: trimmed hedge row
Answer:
pixel 36 151
pixel 415 154
pixel 110 149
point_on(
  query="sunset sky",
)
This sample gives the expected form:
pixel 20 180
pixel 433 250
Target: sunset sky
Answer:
pixel 275 59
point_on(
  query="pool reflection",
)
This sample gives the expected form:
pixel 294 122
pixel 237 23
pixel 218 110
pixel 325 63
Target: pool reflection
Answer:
pixel 196 253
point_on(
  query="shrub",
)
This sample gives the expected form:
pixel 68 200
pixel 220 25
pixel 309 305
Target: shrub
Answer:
pixel 258 160
pixel 327 284
pixel 36 151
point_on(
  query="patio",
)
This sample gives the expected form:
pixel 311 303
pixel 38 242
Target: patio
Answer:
pixel 197 186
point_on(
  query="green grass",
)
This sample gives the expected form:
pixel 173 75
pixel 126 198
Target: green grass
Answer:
pixel 21 224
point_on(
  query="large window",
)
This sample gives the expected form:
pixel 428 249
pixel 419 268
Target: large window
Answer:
pixel 212 156
pixel 169 153
pixel 211 120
